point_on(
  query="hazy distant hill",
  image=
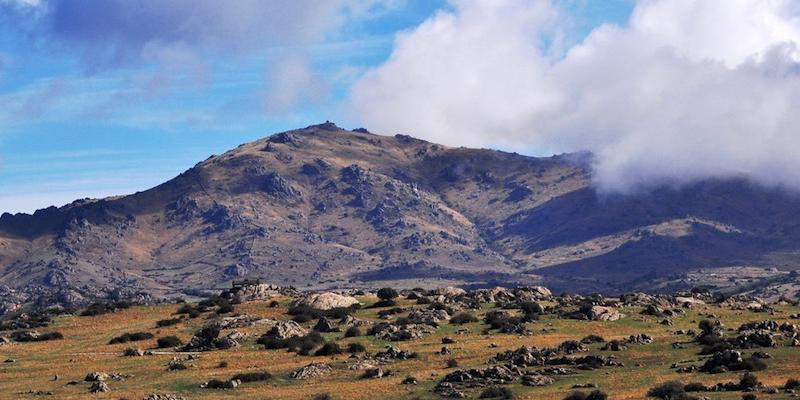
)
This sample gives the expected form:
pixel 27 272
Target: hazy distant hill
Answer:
pixel 323 206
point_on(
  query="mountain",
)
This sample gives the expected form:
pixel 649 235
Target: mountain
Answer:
pixel 326 207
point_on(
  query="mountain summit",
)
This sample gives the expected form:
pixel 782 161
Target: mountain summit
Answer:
pixel 326 207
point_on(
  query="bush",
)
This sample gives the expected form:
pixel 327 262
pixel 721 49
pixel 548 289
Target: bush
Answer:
pixel 311 313
pixel 218 384
pixel 329 349
pixel 593 339
pixel 252 376
pixel 463 318
pixel 50 336
pixel 322 396
pixel 353 331
pixel 792 384
pixel 695 387
pixel 274 304
pixel 387 293
pixel 168 341
pixel 225 309
pixel 595 395
pixel 167 322
pixel 452 363
pixel 131 337
pixel 496 392
pixel 185 309
pixel 672 390
pixel 101 308
pixel 384 303
pixel 355 348
pixel 749 396
pixel 177 367
pixel 302 345
pixel 531 307
pixel 754 364
pixel 26 336
pixel 749 382
pixel 222 364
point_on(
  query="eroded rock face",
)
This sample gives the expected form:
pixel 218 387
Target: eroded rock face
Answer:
pixel 327 301
pixel 279 187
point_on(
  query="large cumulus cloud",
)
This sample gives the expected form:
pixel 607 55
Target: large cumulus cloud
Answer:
pixel 686 90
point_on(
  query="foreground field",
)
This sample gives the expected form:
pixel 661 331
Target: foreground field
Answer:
pixel 58 367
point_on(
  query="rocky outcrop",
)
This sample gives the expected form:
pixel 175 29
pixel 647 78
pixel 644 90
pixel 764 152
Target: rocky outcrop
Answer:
pixel 310 371
pixel 327 301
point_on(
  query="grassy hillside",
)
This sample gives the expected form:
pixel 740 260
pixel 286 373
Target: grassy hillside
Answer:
pixel 85 349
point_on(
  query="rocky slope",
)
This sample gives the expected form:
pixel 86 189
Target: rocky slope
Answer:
pixel 327 207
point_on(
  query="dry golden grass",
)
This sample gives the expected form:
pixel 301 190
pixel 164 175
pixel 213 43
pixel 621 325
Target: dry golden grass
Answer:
pixel 85 349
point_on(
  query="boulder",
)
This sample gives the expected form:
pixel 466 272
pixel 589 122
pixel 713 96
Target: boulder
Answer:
pixel 96 377
pixel 287 329
pixel 327 301
pixel 537 380
pixel 99 387
pixel 601 313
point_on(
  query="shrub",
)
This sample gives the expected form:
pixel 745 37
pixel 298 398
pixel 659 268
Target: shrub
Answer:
pixel 754 364
pixel 322 396
pixel 252 376
pixel 749 396
pixel 274 304
pixel 329 349
pixel 222 364
pixel 496 392
pixel 311 313
pixel 27 336
pixel 168 341
pixel 672 390
pixel 355 348
pixel 576 396
pixel 225 309
pixel 384 303
pixel 131 337
pixel 167 322
pixel 218 384
pixel 593 339
pixel 424 300
pixel 463 318
pixel 695 387
pixel 531 307
pixel 792 384
pixel 452 363
pixel 748 382
pixel 177 367
pixel 353 331
pixel 185 309
pixel 387 293
pixel 99 309
pixel 597 395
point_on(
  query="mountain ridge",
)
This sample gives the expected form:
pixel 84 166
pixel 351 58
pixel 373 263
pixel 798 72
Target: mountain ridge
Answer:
pixel 323 207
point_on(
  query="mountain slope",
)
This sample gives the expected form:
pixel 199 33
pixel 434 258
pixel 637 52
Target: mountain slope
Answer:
pixel 327 207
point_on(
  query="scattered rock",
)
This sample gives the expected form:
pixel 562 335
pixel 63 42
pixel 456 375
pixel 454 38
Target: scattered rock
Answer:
pixel 313 370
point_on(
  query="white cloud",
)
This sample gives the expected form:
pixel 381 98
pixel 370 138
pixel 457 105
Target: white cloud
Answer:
pixel 687 90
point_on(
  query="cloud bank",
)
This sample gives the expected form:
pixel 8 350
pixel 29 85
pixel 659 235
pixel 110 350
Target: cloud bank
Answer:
pixel 687 90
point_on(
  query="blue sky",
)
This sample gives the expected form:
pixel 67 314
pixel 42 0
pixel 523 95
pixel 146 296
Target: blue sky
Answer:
pixel 90 109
